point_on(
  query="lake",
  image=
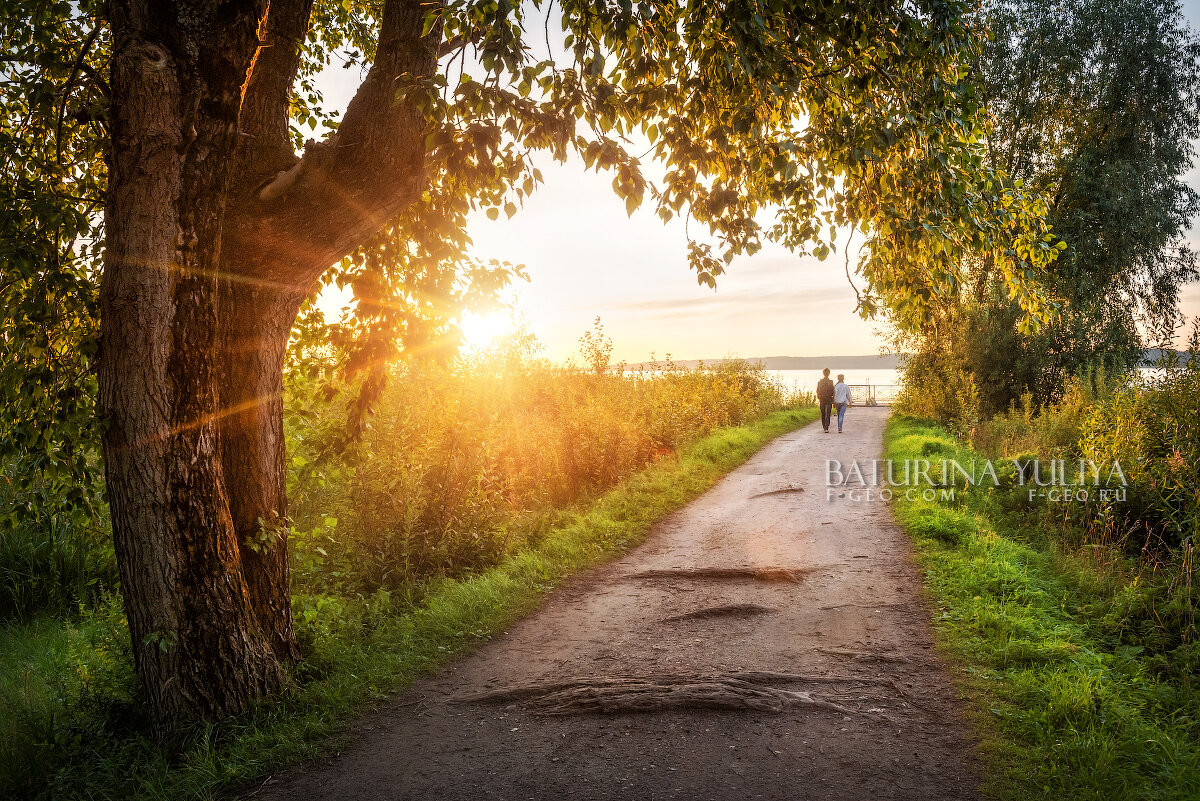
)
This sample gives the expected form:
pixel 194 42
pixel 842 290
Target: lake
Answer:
pixel 806 380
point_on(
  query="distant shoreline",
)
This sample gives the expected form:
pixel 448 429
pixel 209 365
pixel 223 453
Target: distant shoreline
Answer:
pixel 889 361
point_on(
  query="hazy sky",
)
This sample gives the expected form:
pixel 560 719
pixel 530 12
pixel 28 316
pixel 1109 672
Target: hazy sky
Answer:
pixel 585 259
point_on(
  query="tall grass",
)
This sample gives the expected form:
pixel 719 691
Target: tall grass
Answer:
pixel 1080 684
pixel 1051 430
pixel 461 466
pixel 55 556
pixel 1145 540
pixel 1152 428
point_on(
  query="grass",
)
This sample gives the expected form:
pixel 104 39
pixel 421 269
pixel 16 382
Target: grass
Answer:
pixel 68 730
pixel 1050 645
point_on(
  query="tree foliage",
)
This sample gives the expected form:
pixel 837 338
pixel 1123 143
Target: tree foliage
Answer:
pixel 841 114
pixel 52 180
pixel 1096 104
pixel 766 120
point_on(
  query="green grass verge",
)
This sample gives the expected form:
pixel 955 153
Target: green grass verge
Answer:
pixel 1065 706
pixel 67 725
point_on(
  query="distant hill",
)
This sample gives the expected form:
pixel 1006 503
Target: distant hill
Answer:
pixel 888 362
pixel 1151 357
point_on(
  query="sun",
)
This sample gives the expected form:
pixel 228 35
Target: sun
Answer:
pixel 481 330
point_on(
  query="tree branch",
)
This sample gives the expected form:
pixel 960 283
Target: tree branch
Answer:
pixel 265 147
pixel 76 68
pixel 290 228
pixel 375 123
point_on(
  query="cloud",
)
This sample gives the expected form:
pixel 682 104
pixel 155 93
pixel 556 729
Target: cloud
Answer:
pixel 737 304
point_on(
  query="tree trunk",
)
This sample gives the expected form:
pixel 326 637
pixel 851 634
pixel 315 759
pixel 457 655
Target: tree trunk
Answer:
pixel 258 322
pixel 198 645
pixel 192 342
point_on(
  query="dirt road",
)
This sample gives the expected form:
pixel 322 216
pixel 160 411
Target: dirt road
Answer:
pixel 765 642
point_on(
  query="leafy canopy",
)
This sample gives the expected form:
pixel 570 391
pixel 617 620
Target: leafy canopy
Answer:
pixel 765 119
pixel 52 179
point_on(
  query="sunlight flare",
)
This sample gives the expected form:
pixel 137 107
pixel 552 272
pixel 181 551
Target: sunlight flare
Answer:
pixel 481 330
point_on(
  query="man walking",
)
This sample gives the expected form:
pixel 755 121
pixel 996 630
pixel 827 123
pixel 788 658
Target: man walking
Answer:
pixel 841 399
pixel 825 398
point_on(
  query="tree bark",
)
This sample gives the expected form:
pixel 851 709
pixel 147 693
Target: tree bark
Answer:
pixel 197 643
pixel 204 274
pixel 289 218
pixel 257 327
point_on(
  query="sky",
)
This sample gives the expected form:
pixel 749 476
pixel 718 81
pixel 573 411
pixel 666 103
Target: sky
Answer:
pixel 586 259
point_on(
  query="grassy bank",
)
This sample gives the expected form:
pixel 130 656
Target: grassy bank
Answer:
pixel 69 726
pixel 1065 653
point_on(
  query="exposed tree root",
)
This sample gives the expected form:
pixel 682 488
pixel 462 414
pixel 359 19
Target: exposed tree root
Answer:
pixel 866 656
pixel 729 610
pixel 610 695
pixel 760 690
pixel 758 573
pixel 863 606
pixel 781 491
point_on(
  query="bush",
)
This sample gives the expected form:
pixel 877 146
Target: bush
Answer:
pixel 1152 428
pixel 1051 430
pixel 936 386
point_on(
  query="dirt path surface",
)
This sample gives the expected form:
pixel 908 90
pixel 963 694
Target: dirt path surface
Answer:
pixel 765 642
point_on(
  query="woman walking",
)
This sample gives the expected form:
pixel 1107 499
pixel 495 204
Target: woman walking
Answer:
pixel 841 399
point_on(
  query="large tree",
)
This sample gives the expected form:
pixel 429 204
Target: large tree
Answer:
pixel 769 118
pixel 1096 104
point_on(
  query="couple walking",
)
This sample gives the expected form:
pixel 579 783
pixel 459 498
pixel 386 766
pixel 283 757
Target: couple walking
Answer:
pixel 830 394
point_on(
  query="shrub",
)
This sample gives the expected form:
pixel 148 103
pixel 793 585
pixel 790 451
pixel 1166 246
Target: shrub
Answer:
pixel 936 386
pixel 1152 428
pixel 1051 430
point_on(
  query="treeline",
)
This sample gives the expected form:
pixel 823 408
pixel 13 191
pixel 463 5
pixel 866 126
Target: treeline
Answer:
pixel 1096 104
